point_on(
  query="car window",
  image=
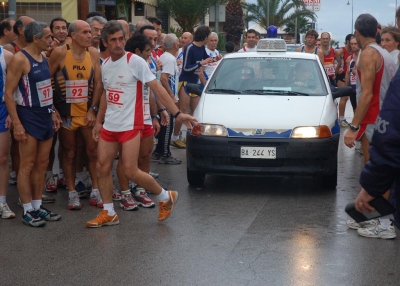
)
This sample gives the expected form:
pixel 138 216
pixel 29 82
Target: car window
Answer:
pixel 259 75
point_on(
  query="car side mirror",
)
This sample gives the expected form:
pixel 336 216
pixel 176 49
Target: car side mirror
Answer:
pixel 341 91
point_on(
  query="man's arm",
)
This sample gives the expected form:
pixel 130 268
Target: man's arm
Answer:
pixel 321 55
pixel 348 73
pixel 56 59
pixel 97 87
pixel 14 72
pixel 338 59
pixel 7 56
pixel 101 114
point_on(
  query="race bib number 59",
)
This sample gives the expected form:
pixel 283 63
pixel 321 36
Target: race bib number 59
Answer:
pixel 76 91
pixel 45 92
pixel 114 97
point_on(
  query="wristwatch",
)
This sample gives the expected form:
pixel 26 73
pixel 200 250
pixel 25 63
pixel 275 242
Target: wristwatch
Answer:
pixel 353 128
pixel 95 108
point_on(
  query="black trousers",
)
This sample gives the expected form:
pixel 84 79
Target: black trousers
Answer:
pixel 164 138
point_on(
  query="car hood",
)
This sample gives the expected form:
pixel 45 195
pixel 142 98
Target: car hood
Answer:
pixel 260 115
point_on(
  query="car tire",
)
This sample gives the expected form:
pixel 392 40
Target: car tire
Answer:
pixel 195 178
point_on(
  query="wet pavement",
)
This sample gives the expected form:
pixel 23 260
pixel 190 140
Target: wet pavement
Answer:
pixel 234 231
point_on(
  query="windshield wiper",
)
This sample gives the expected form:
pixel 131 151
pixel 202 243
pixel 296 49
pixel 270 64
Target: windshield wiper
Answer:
pixel 275 91
pixel 230 91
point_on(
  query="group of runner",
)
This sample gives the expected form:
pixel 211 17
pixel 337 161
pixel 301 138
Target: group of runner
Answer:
pixel 95 84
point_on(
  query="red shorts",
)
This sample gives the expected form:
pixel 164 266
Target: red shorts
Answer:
pixel 367 129
pixel 120 137
pixel 147 131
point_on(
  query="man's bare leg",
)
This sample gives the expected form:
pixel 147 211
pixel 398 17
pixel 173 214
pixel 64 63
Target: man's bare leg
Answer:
pixel 4 174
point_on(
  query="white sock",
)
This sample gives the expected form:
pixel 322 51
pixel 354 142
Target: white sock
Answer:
pixel 341 118
pixel 95 192
pixel 79 176
pixel 385 222
pixel 2 199
pixel 109 208
pixel 13 174
pixel 72 192
pixel 36 204
pixel 27 207
pixel 174 138
pixel 49 174
pixel 163 196
pixel 138 191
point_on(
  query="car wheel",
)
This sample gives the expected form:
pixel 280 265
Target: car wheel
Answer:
pixel 195 178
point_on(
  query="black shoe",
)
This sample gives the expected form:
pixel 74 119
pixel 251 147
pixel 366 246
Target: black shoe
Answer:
pixel 31 217
pixel 45 214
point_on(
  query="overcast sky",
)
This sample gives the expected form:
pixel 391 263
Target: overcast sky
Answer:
pixel 335 15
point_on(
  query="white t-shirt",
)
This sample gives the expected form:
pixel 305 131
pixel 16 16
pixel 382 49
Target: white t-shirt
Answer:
pixel 246 49
pixel 211 67
pixel 171 67
pixel 395 55
pixel 123 81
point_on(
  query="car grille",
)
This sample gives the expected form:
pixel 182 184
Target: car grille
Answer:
pixel 257 162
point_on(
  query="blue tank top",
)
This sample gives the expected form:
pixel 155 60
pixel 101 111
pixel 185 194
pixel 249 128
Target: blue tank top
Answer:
pixel 34 88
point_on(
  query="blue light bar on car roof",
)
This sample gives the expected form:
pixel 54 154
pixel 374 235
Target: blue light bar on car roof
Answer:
pixel 271 45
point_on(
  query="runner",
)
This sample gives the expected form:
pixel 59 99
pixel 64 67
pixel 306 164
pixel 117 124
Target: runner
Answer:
pixel 96 24
pixel 33 118
pixel 5 124
pixel 351 74
pixel 7 34
pixel 310 45
pixel 77 86
pixel 330 55
pixel 344 53
pixel 123 75
pixel 251 41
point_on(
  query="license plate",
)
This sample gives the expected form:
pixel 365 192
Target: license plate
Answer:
pixel 258 152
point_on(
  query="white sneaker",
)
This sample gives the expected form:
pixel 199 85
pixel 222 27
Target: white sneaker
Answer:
pixel 378 231
pixel 5 211
pixel 357 225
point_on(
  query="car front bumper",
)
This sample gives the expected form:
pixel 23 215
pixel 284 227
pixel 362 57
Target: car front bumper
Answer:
pixel 221 156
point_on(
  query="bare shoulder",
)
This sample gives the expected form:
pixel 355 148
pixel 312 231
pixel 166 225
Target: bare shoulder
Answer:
pixel 94 53
pixel 7 56
pixel 298 49
pixel 9 48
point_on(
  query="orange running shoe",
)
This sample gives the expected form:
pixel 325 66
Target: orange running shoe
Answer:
pixel 167 207
pixel 103 219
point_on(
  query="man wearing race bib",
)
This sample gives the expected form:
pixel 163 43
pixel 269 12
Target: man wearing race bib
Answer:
pixel 121 109
pixel 330 55
pixel 77 90
pixel 34 119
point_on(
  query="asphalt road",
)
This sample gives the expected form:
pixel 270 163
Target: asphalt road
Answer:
pixel 234 231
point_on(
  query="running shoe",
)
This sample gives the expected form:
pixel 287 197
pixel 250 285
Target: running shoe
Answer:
pixel 80 187
pixel 95 200
pixel 73 201
pixel 103 219
pixel 87 181
pixel 178 144
pixel 155 157
pixel 378 231
pixel 5 211
pixel 127 203
pixel 61 182
pixel 143 199
pixel 47 199
pixel 32 218
pixel 166 208
pixel 357 225
pixel 344 123
pixel 169 160
pixel 116 195
pixel 47 215
pixel 51 184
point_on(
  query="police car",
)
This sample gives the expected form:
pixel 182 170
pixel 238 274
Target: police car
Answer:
pixel 269 112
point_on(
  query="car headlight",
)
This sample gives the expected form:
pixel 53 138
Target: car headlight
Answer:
pixel 321 131
pixel 209 130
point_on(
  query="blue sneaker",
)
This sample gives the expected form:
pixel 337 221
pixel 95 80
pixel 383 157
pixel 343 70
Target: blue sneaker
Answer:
pixel 80 187
pixel 45 214
pixel 31 217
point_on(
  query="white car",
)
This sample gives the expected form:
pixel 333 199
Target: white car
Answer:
pixel 269 112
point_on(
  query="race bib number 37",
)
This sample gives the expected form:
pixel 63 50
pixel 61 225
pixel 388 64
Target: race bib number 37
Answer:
pixel 45 92
pixel 76 91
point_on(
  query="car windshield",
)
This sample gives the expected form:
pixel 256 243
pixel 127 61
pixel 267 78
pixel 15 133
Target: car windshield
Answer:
pixel 269 76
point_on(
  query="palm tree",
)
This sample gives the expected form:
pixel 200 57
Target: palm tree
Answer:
pixel 281 12
pixel 303 25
